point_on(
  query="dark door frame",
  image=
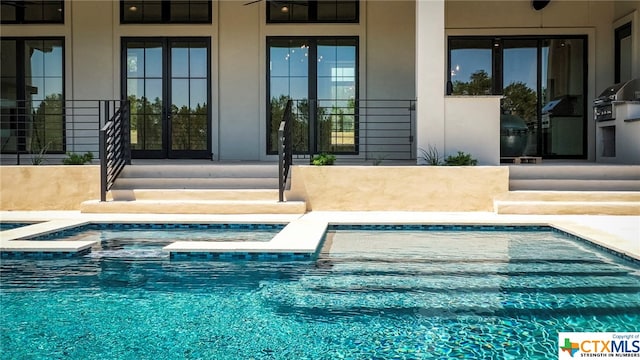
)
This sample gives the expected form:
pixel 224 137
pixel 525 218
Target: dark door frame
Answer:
pixel 166 151
pixel 620 33
pixel 312 75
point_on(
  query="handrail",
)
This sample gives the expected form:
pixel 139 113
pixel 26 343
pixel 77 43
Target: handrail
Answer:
pixel 285 150
pixel 115 145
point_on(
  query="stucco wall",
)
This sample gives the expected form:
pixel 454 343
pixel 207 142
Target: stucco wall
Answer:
pixel 48 187
pixel 398 188
pixel 473 126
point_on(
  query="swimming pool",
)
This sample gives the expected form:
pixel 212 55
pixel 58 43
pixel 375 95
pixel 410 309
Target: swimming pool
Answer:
pixel 370 294
pixel 4 225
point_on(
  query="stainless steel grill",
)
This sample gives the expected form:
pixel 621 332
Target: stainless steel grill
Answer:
pixel 603 108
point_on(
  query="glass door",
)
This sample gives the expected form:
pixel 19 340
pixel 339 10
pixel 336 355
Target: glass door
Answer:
pixel 520 87
pixel 167 82
pixel 544 86
pixel 562 82
pixel 320 75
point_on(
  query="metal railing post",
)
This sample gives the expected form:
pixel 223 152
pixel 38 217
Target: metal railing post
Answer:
pixel 103 165
pixel 126 131
pixel 313 114
pixel 281 159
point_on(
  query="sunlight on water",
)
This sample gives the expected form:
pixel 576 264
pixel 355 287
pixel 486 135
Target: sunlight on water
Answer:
pixel 401 294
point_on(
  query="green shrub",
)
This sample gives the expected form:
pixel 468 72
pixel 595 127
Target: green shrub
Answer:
pixel 431 156
pixel 461 159
pixel 77 159
pixel 323 159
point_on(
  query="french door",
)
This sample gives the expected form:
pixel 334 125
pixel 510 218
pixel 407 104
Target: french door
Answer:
pixel 167 81
pixel 321 75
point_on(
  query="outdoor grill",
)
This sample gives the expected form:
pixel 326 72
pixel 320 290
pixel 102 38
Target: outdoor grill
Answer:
pixel 603 105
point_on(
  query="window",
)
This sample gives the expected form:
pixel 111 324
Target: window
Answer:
pixel 165 11
pixel 471 70
pixel 32 92
pixel 623 51
pixel 542 79
pixel 33 11
pixel 321 11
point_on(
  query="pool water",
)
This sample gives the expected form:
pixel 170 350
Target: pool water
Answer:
pixel 147 240
pixel 370 294
pixel 12 225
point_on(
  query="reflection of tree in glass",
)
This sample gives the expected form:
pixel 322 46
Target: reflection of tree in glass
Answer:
pixel 299 127
pixel 336 127
pixel 329 119
pixel 146 122
pixel 479 84
pixel 189 128
pixel 521 100
pixel 47 125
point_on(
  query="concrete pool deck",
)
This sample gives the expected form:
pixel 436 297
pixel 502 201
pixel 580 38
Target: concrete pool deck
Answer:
pixel 618 233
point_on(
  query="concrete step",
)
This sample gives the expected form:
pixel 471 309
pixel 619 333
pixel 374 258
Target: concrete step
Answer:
pixel 201 171
pixel 127 183
pixel 195 194
pixel 195 207
pixel 568 203
pixel 567 207
pixel 575 177
pixel 591 172
pixel 574 185
pixel 593 196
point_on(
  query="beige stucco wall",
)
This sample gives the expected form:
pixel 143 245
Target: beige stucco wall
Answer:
pixel 398 188
pixel 48 187
pixel 473 126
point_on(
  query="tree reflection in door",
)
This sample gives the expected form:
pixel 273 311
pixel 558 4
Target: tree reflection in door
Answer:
pixel 336 125
pixel 323 90
pixel 189 127
pixel 146 129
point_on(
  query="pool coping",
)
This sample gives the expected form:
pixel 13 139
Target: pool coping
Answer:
pixel 304 234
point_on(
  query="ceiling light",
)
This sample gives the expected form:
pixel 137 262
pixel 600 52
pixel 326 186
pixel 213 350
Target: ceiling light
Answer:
pixel 133 8
pixel 284 9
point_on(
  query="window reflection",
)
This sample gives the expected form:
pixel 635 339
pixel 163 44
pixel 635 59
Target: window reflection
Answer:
pixel 32 11
pixel 332 106
pixel 543 83
pixel 319 11
pixel 470 66
pixel 165 11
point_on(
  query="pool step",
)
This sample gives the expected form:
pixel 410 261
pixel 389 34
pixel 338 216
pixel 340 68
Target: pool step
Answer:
pixel 172 206
pixel 569 203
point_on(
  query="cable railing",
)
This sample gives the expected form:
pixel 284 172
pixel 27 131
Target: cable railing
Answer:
pixel 362 129
pixel 115 145
pixel 285 150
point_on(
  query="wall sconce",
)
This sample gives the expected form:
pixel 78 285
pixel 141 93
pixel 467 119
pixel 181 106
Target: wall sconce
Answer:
pixel 539 4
